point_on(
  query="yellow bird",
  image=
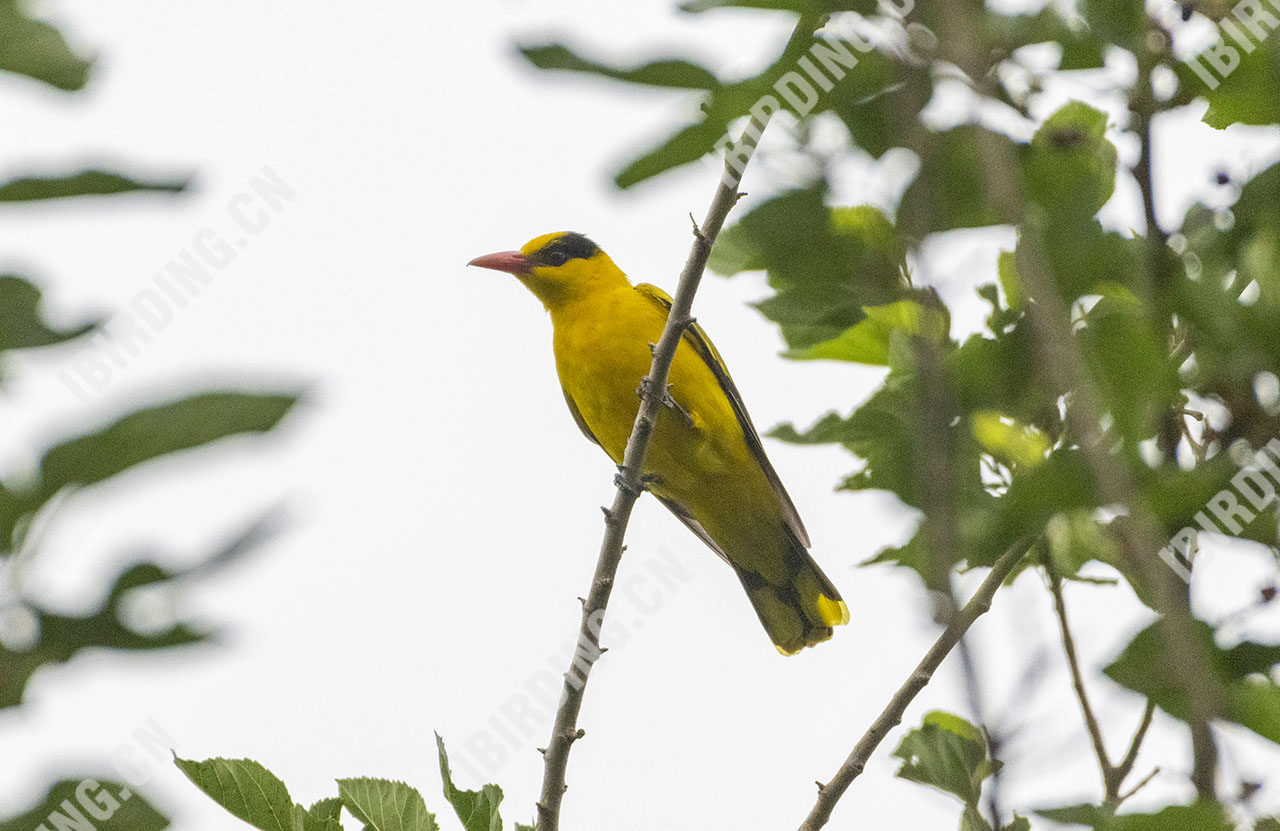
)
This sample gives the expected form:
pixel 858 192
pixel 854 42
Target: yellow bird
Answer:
pixel 705 461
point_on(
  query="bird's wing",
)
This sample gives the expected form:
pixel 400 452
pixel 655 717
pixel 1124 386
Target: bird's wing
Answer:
pixel 702 345
pixel 577 417
pixel 682 514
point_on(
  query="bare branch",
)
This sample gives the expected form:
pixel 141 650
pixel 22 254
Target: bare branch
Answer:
pixel 830 793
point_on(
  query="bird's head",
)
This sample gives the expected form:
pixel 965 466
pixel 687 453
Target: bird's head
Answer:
pixel 557 267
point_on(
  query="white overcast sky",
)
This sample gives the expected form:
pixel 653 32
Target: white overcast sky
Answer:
pixel 445 508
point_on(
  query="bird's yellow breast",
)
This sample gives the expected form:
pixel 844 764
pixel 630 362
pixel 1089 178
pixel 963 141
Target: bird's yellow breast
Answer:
pixel 602 352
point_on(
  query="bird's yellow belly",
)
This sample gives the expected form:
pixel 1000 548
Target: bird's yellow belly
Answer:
pixel 601 369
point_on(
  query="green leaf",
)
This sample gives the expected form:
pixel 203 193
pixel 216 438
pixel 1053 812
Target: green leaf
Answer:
pixel 246 789
pixel 326 809
pixel 1146 666
pixel 478 810
pixel 1008 439
pixel 1199 816
pixel 383 805
pixel 1070 167
pixel 1081 47
pixel 950 191
pixel 34 48
pixel 1120 23
pixel 1083 258
pixel 664 73
pixel 948 753
pixel 867 342
pixel 825 264
pixel 1131 365
pixel 798 6
pixel 21 324
pixel 971 819
pixel 1242 96
pixel 157 431
pixel 687 144
pixel 1095 816
pixel 84 183
pixel 1007 270
pixel 60 637
pixel 83 801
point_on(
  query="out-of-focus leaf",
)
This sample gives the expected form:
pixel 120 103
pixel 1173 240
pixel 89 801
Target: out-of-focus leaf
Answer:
pixel 1083 258
pixel 383 805
pixel 1198 816
pixel 1008 439
pixel 825 264
pixel 477 810
pixel 687 144
pixel 1070 167
pixel 1002 374
pixel 1007 270
pixel 1075 537
pixel 667 73
pixel 86 802
pixel 34 48
pixel 1119 23
pixel 1063 482
pixel 950 191
pixel 84 183
pixel 947 753
pixel 797 6
pixel 1095 816
pixel 61 637
pixel 1081 47
pixel 21 324
pixel 852 94
pixel 1248 243
pixel 58 638
pixel 1131 365
pixel 867 342
pixel 1146 665
pixel 1243 95
pixel 158 431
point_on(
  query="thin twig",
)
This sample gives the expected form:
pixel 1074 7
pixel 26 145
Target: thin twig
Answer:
pixel 1141 784
pixel 1126 764
pixel 830 793
pixel 630 480
pixel 1113 775
pixel 1109 784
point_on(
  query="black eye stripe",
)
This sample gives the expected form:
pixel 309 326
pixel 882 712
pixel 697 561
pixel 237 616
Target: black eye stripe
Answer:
pixel 571 246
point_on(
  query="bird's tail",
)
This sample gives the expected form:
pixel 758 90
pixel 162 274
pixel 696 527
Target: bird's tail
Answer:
pixel 800 612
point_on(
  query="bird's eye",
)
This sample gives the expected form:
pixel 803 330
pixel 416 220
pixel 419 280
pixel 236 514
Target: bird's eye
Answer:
pixel 557 258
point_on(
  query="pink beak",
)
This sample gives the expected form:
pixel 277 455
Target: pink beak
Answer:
pixel 512 262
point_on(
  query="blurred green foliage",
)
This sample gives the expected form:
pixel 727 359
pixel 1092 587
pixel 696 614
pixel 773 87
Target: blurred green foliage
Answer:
pixel 70 468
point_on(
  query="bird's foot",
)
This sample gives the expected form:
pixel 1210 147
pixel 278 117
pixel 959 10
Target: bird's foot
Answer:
pixel 646 481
